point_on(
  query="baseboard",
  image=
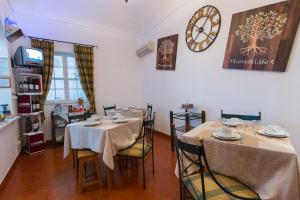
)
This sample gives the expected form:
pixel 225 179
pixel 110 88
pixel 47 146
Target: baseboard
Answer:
pixel 162 134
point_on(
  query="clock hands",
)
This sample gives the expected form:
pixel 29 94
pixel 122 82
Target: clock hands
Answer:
pixel 207 17
pixel 207 35
pixel 197 36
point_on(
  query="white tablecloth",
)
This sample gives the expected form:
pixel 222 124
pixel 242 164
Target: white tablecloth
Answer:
pixel 135 113
pixel 267 165
pixel 106 138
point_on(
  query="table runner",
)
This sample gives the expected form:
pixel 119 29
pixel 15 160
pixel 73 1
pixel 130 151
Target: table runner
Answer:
pixel 267 165
pixel 106 138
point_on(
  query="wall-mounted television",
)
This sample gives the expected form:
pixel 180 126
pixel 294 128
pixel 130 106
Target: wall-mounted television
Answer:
pixel 29 57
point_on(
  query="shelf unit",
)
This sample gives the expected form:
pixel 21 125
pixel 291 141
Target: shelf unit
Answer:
pixel 187 117
pixel 57 122
pixel 28 106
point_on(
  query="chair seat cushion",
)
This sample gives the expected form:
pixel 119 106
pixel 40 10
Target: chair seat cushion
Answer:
pixel 85 153
pixel 135 150
pixel 213 191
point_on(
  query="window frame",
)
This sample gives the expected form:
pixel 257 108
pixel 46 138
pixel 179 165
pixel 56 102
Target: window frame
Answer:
pixel 8 76
pixel 66 79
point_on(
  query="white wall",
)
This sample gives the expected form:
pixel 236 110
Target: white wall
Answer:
pixel 200 78
pixel 117 73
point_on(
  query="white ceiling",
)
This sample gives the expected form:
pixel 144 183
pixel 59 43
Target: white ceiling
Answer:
pixel 135 17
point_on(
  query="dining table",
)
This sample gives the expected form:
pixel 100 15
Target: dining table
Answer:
pixel 267 165
pixel 106 138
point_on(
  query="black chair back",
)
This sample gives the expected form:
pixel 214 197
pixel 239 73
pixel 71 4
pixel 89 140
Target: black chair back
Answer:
pixel 148 131
pixel 76 117
pixel 189 155
pixel 243 117
pixel 105 108
pixel 148 112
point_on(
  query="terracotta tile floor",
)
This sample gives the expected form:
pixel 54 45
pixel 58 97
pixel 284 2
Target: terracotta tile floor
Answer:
pixel 47 176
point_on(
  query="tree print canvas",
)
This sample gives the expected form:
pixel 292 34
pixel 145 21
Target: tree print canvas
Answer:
pixel 166 53
pixel 255 39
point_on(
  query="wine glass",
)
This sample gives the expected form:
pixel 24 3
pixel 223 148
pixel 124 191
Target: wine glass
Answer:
pixel 256 126
pixel 241 128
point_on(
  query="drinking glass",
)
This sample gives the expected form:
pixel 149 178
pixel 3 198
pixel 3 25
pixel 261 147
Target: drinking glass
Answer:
pixel 220 122
pixel 241 128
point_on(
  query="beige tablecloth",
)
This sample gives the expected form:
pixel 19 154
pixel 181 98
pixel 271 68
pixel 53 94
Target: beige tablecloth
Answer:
pixel 106 138
pixel 267 165
pixel 135 113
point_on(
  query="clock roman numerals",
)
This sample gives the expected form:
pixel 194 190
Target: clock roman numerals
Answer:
pixel 190 43
pixel 213 34
pixel 213 14
pixel 200 13
pixel 189 34
pixel 215 23
pixel 203 28
pixel 200 46
pixel 207 41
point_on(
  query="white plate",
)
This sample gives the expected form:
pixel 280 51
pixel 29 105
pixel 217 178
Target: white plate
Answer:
pixel 121 121
pixel 273 131
pixel 232 122
pixel 90 124
pixel 93 119
pixel 226 135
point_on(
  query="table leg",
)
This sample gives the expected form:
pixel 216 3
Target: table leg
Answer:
pixel 109 177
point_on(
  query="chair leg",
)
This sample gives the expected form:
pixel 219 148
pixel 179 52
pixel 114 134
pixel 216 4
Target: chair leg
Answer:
pixel 180 191
pixel 98 170
pixel 74 165
pixel 152 161
pixel 80 180
pixel 85 172
pixel 144 184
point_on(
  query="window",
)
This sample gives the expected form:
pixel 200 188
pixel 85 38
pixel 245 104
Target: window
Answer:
pixel 65 84
pixel 4 73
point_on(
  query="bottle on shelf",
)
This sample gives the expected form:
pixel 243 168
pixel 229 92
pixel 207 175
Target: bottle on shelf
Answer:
pixel 36 124
pixel 38 105
pixel 33 103
pixel 20 87
pixel 36 85
pixel 25 86
pixel 28 125
pixel 30 84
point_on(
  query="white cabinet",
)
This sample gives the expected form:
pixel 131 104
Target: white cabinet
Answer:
pixel 9 145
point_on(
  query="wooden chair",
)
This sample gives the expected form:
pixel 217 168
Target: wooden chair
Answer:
pixel 83 157
pixel 142 147
pixel 242 117
pixel 72 119
pixel 105 108
pixel 205 184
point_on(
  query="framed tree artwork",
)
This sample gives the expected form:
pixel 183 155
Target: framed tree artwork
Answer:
pixel 261 38
pixel 166 53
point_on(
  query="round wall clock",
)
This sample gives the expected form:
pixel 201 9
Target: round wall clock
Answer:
pixel 203 28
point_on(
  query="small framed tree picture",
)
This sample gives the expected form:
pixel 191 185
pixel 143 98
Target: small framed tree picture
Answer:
pixel 166 53
pixel 257 39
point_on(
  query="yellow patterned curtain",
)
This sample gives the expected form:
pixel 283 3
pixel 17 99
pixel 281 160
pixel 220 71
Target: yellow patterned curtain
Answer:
pixel 48 48
pixel 85 62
